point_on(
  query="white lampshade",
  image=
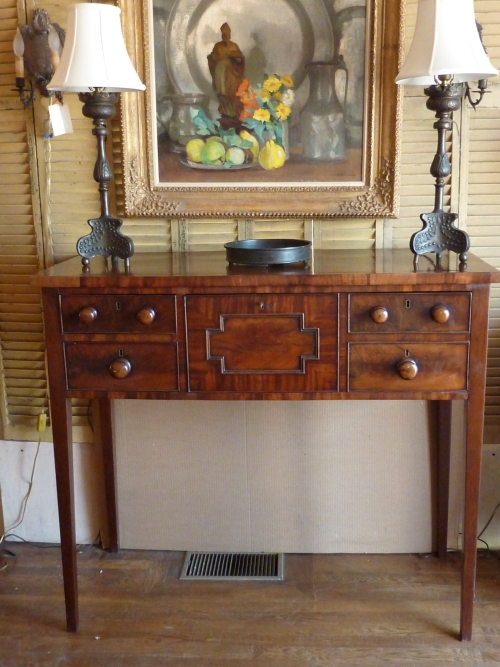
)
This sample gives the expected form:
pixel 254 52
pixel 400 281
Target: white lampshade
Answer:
pixel 94 53
pixel 446 41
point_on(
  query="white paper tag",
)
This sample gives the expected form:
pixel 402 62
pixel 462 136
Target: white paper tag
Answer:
pixel 60 119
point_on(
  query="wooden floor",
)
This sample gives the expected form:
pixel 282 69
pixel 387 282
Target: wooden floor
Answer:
pixel 331 611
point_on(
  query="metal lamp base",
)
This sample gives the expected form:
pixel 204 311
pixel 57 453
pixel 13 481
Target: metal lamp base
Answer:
pixel 105 239
pixel 439 233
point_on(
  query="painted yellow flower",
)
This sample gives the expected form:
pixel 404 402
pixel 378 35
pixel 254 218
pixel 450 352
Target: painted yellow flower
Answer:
pixel 287 81
pixel 262 115
pixel 282 111
pixel 272 83
pixel 277 96
pixel 264 95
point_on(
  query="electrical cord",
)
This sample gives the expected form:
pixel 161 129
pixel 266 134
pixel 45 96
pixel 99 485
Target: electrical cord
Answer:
pixel 25 500
pixel 489 521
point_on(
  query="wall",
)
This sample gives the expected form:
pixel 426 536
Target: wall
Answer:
pixel 65 197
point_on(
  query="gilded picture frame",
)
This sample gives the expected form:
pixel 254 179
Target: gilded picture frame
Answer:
pixel 156 180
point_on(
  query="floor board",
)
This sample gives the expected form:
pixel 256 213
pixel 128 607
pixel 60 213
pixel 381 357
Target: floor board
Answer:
pixel 331 611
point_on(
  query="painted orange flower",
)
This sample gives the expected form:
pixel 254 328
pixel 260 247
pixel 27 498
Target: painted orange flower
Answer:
pixel 243 87
pixel 246 114
pixel 249 100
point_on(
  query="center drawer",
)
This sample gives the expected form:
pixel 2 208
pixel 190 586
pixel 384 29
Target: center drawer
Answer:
pixel 262 342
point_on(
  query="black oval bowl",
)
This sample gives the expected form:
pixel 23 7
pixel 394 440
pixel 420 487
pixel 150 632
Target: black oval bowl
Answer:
pixel 259 252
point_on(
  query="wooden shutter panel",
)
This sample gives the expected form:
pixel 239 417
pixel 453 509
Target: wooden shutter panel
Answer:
pixel 25 182
pixel 483 226
pixel 21 334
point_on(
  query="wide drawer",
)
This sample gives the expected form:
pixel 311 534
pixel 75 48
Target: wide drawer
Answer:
pixel 425 312
pixel 118 313
pixel 262 343
pixel 389 367
pixel 122 367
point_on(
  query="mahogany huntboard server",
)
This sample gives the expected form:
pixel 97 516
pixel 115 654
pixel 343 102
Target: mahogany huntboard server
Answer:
pixel 347 325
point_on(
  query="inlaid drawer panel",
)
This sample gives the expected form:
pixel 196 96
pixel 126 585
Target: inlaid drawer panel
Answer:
pixel 262 343
pixel 118 313
pixel 410 313
pixel 406 368
pixel 122 366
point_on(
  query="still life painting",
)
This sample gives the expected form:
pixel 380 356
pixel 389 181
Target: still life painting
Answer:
pixel 263 108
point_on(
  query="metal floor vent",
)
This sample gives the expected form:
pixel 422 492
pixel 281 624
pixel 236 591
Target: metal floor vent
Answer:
pixel 233 566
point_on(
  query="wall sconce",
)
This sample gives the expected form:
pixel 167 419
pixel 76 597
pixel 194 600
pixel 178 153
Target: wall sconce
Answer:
pixel 95 64
pixel 446 52
pixel 36 49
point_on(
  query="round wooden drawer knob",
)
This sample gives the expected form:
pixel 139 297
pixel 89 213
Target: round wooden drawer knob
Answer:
pixel 87 315
pixel 120 368
pixel 146 316
pixel 440 314
pixel 407 369
pixel 379 314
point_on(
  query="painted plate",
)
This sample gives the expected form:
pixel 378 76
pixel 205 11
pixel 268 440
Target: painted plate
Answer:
pixel 214 167
pixel 276 38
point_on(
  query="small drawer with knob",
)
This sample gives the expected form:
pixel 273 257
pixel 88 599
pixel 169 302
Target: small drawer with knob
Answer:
pixel 122 366
pixel 422 312
pixel 408 367
pixel 118 313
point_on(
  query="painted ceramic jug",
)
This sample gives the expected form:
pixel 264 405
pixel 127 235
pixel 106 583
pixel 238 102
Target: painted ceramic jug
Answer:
pixel 322 119
pixel 181 128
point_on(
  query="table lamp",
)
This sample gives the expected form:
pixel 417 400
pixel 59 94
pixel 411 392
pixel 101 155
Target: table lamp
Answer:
pixel 95 63
pixel 446 53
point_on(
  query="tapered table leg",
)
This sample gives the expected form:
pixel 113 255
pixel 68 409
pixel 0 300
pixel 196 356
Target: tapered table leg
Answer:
pixel 474 441
pixel 63 456
pixel 443 474
pixel 106 425
pixel 60 417
pixel 471 510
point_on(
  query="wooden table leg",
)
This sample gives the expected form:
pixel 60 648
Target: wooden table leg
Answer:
pixel 60 418
pixel 63 456
pixel 474 443
pixel 443 474
pixel 106 425
pixel 474 432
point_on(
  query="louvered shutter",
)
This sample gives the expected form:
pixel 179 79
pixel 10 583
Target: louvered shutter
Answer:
pixel 483 226
pixel 26 206
pixel 22 350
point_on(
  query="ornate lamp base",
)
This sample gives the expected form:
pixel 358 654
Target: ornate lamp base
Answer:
pixel 105 238
pixel 439 233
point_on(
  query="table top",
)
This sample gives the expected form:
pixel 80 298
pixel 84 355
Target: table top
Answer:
pixel 326 267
